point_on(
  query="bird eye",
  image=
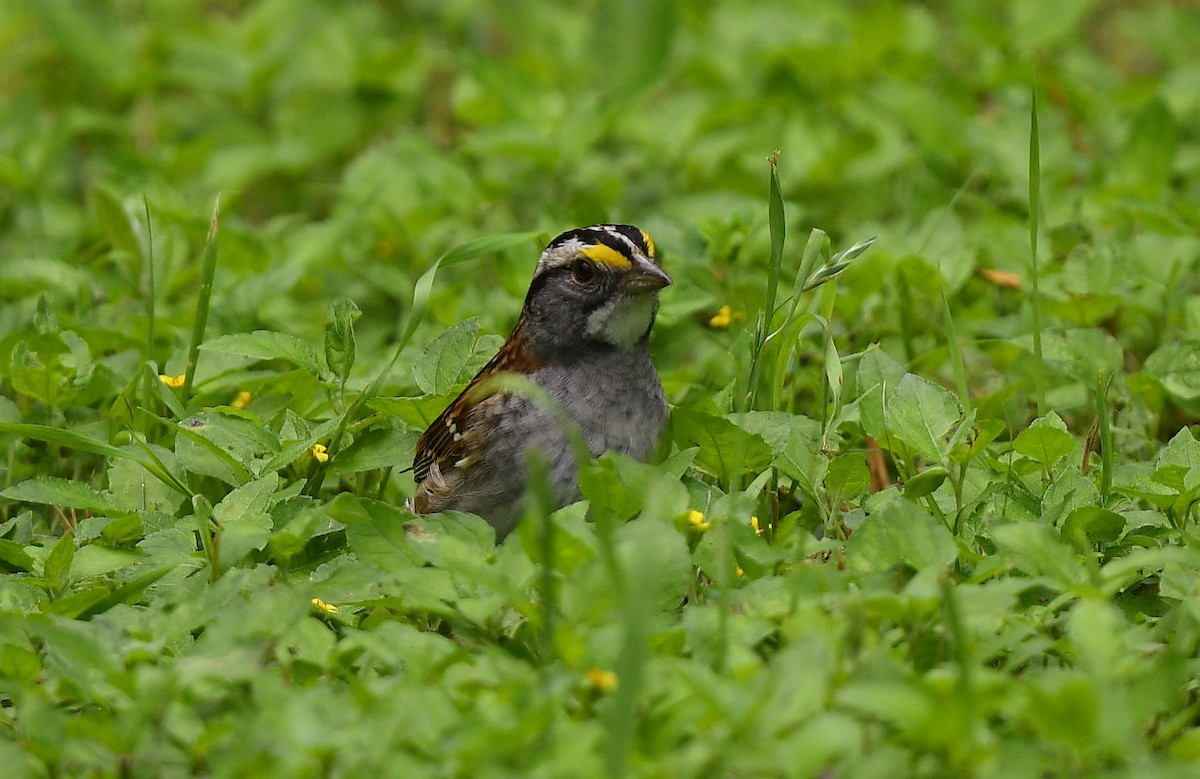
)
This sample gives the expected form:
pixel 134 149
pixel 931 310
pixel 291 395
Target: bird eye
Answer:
pixel 583 271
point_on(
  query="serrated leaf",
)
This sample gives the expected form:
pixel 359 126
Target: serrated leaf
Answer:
pixel 900 533
pixel 1046 440
pixel 340 349
pixel 920 414
pixel 443 363
pixel 242 517
pixel 55 491
pixel 376 532
pixel 269 345
pixel 726 450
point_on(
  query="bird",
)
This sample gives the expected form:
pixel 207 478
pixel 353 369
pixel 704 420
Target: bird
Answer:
pixel 582 337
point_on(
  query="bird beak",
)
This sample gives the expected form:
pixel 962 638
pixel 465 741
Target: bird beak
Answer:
pixel 645 276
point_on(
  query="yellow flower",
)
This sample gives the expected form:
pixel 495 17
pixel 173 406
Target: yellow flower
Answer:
pixel 242 400
pixel 739 571
pixel 320 453
pixel 754 524
pixel 604 681
pixel 724 318
pixel 696 520
pixel 328 608
pixel 174 382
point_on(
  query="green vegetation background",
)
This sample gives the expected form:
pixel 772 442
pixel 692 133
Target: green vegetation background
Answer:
pixel 926 528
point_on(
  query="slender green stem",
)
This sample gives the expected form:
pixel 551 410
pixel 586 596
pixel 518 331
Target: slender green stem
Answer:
pixel 1035 208
pixel 202 304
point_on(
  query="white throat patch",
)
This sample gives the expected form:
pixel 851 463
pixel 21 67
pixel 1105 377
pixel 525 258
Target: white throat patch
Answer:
pixel 623 320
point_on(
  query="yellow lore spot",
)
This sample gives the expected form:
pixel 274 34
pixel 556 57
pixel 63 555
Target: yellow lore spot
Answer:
pixel 605 255
pixel 320 453
pixel 174 382
pixel 604 681
pixel 328 608
pixel 649 244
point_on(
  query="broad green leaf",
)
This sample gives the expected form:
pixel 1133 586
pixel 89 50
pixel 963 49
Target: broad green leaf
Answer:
pixel 847 476
pixel 418 412
pixel 1088 525
pixel 628 487
pixel 55 491
pixel 380 448
pixel 229 445
pixel 452 358
pixel 726 450
pixel 875 373
pixel 1046 440
pixel 1182 452
pixel 920 414
pixel 376 531
pixel 243 520
pixel 900 533
pixel 269 345
pixel 13 554
pixel 96 560
pixel 1034 548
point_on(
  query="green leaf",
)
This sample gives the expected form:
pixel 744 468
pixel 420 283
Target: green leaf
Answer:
pixel 1088 525
pixel 15 555
pixel 381 448
pixel 925 482
pixel 269 345
pixel 900 533
pixel 1034 548
pixel 452 358
pixel 627 487
pixel 1177 365
pixel 1147 162
pixel 243 520
pixel 55 491
pixel 376 531
pixel 57 568
pixel 339 338
pixel 920 414
pixel 117 224
pixel 1046 440
pixel 726 450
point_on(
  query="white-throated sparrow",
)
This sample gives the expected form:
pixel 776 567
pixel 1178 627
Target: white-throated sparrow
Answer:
pixel 582 337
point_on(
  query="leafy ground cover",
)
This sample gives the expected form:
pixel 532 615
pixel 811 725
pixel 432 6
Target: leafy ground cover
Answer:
pixel 928 510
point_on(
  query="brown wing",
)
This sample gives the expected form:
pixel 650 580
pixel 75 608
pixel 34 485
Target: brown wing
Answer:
pixel 443 442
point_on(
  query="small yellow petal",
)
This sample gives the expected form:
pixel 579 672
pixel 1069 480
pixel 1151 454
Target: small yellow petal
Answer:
pixel 174 382
pixel 242 400
pixel 754 524
pixel 328 608
pixel 604 681
pixel 739 571
pixel 724 317
pixel 696 520
pixel 320 453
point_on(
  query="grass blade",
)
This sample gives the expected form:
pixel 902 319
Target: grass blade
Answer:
pixel 203 302
pixel 1035 209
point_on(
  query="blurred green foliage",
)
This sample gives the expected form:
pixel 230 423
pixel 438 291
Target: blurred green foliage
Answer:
pixel 866 554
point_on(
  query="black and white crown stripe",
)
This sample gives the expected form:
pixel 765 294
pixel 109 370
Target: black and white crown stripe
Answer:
pixel 626 240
